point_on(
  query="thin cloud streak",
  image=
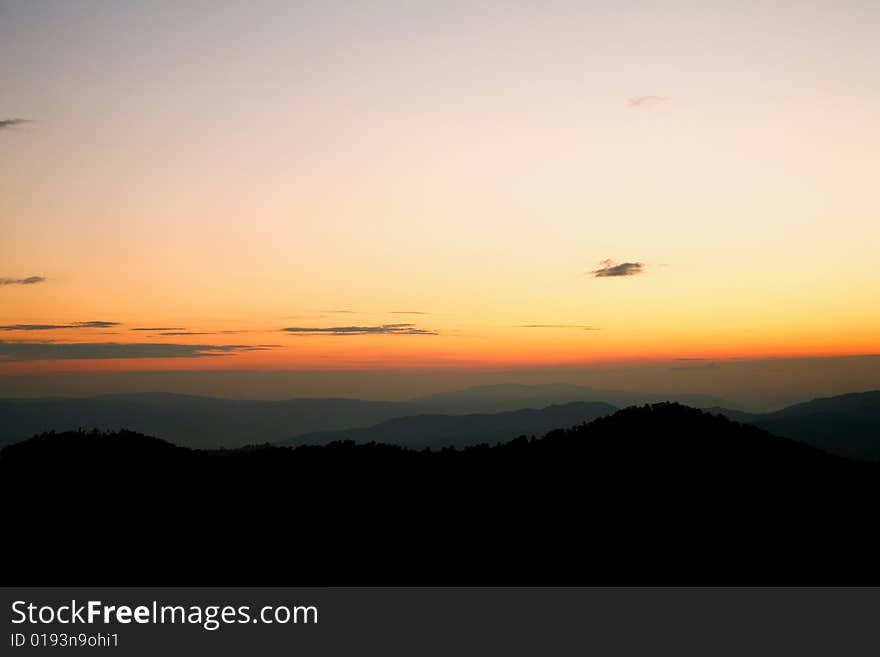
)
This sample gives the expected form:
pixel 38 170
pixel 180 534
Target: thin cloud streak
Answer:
pixel 53 327
pixel 11 123
pixel 30 280
pixel 384 329
pixel 31 351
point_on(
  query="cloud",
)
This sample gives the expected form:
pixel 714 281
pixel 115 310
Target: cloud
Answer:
pixel 408 312
pixel 610 268
pixel 28 351
pixel 11 123
pixel 646 101
pixel 559 326
pixel 181 330
pixel 384 329
pixel 52 327
pixel 30 280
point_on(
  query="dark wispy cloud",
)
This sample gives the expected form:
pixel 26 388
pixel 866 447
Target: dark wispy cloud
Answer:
pixel 611 268
pixel 11 123
pixel 383 329
pixel 30 280
pixel 408 312
pixel 52 327
pixel 181 330
pixel 558 326
pixel 27 351
pixel 646 101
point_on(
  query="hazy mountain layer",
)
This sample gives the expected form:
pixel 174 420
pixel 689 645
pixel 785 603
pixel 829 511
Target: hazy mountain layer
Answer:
pixel 511 397
pixel 203 422
pixel 212 422
pixel 848 425
pixel 461 430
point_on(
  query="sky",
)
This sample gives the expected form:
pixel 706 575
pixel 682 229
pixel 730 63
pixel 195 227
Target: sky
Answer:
pixel 433 186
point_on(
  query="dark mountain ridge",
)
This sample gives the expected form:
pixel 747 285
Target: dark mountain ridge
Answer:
pixel 209 422
pixel 660 494
pixel 201 422
pixel 847 425
pixel 852 401
pixel 420 431
pixel 501 397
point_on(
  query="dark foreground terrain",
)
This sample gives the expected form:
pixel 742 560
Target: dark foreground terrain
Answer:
pixel 660 494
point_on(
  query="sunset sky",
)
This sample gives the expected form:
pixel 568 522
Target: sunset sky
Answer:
pixel 436 184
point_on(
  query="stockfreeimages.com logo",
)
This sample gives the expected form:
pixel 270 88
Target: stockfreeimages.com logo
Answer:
pixel 210 617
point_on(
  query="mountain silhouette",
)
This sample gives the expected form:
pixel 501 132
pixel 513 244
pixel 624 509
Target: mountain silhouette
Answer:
pixel 497 398
pixel 734 414
pixel 848 425
pixel 207 422
pixel 658 494
pixel 435 431
pixel 192 421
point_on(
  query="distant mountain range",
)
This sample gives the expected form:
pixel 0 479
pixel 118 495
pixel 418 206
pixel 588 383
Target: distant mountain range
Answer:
pixel 188 421
pixel 207 422
pixel 512 397
pixel 847 425
pixel 437 431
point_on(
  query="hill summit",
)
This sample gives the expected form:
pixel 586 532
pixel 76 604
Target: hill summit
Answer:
pixel 655 494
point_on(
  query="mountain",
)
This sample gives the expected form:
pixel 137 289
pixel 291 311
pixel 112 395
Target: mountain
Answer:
pixel 437 431
pixel 736 415
pixel 513 396
pixel 202 422
pixel 651 495
pixel 848 425
pixel 207 422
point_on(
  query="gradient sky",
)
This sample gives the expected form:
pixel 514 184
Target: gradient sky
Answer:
pixel 436 181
